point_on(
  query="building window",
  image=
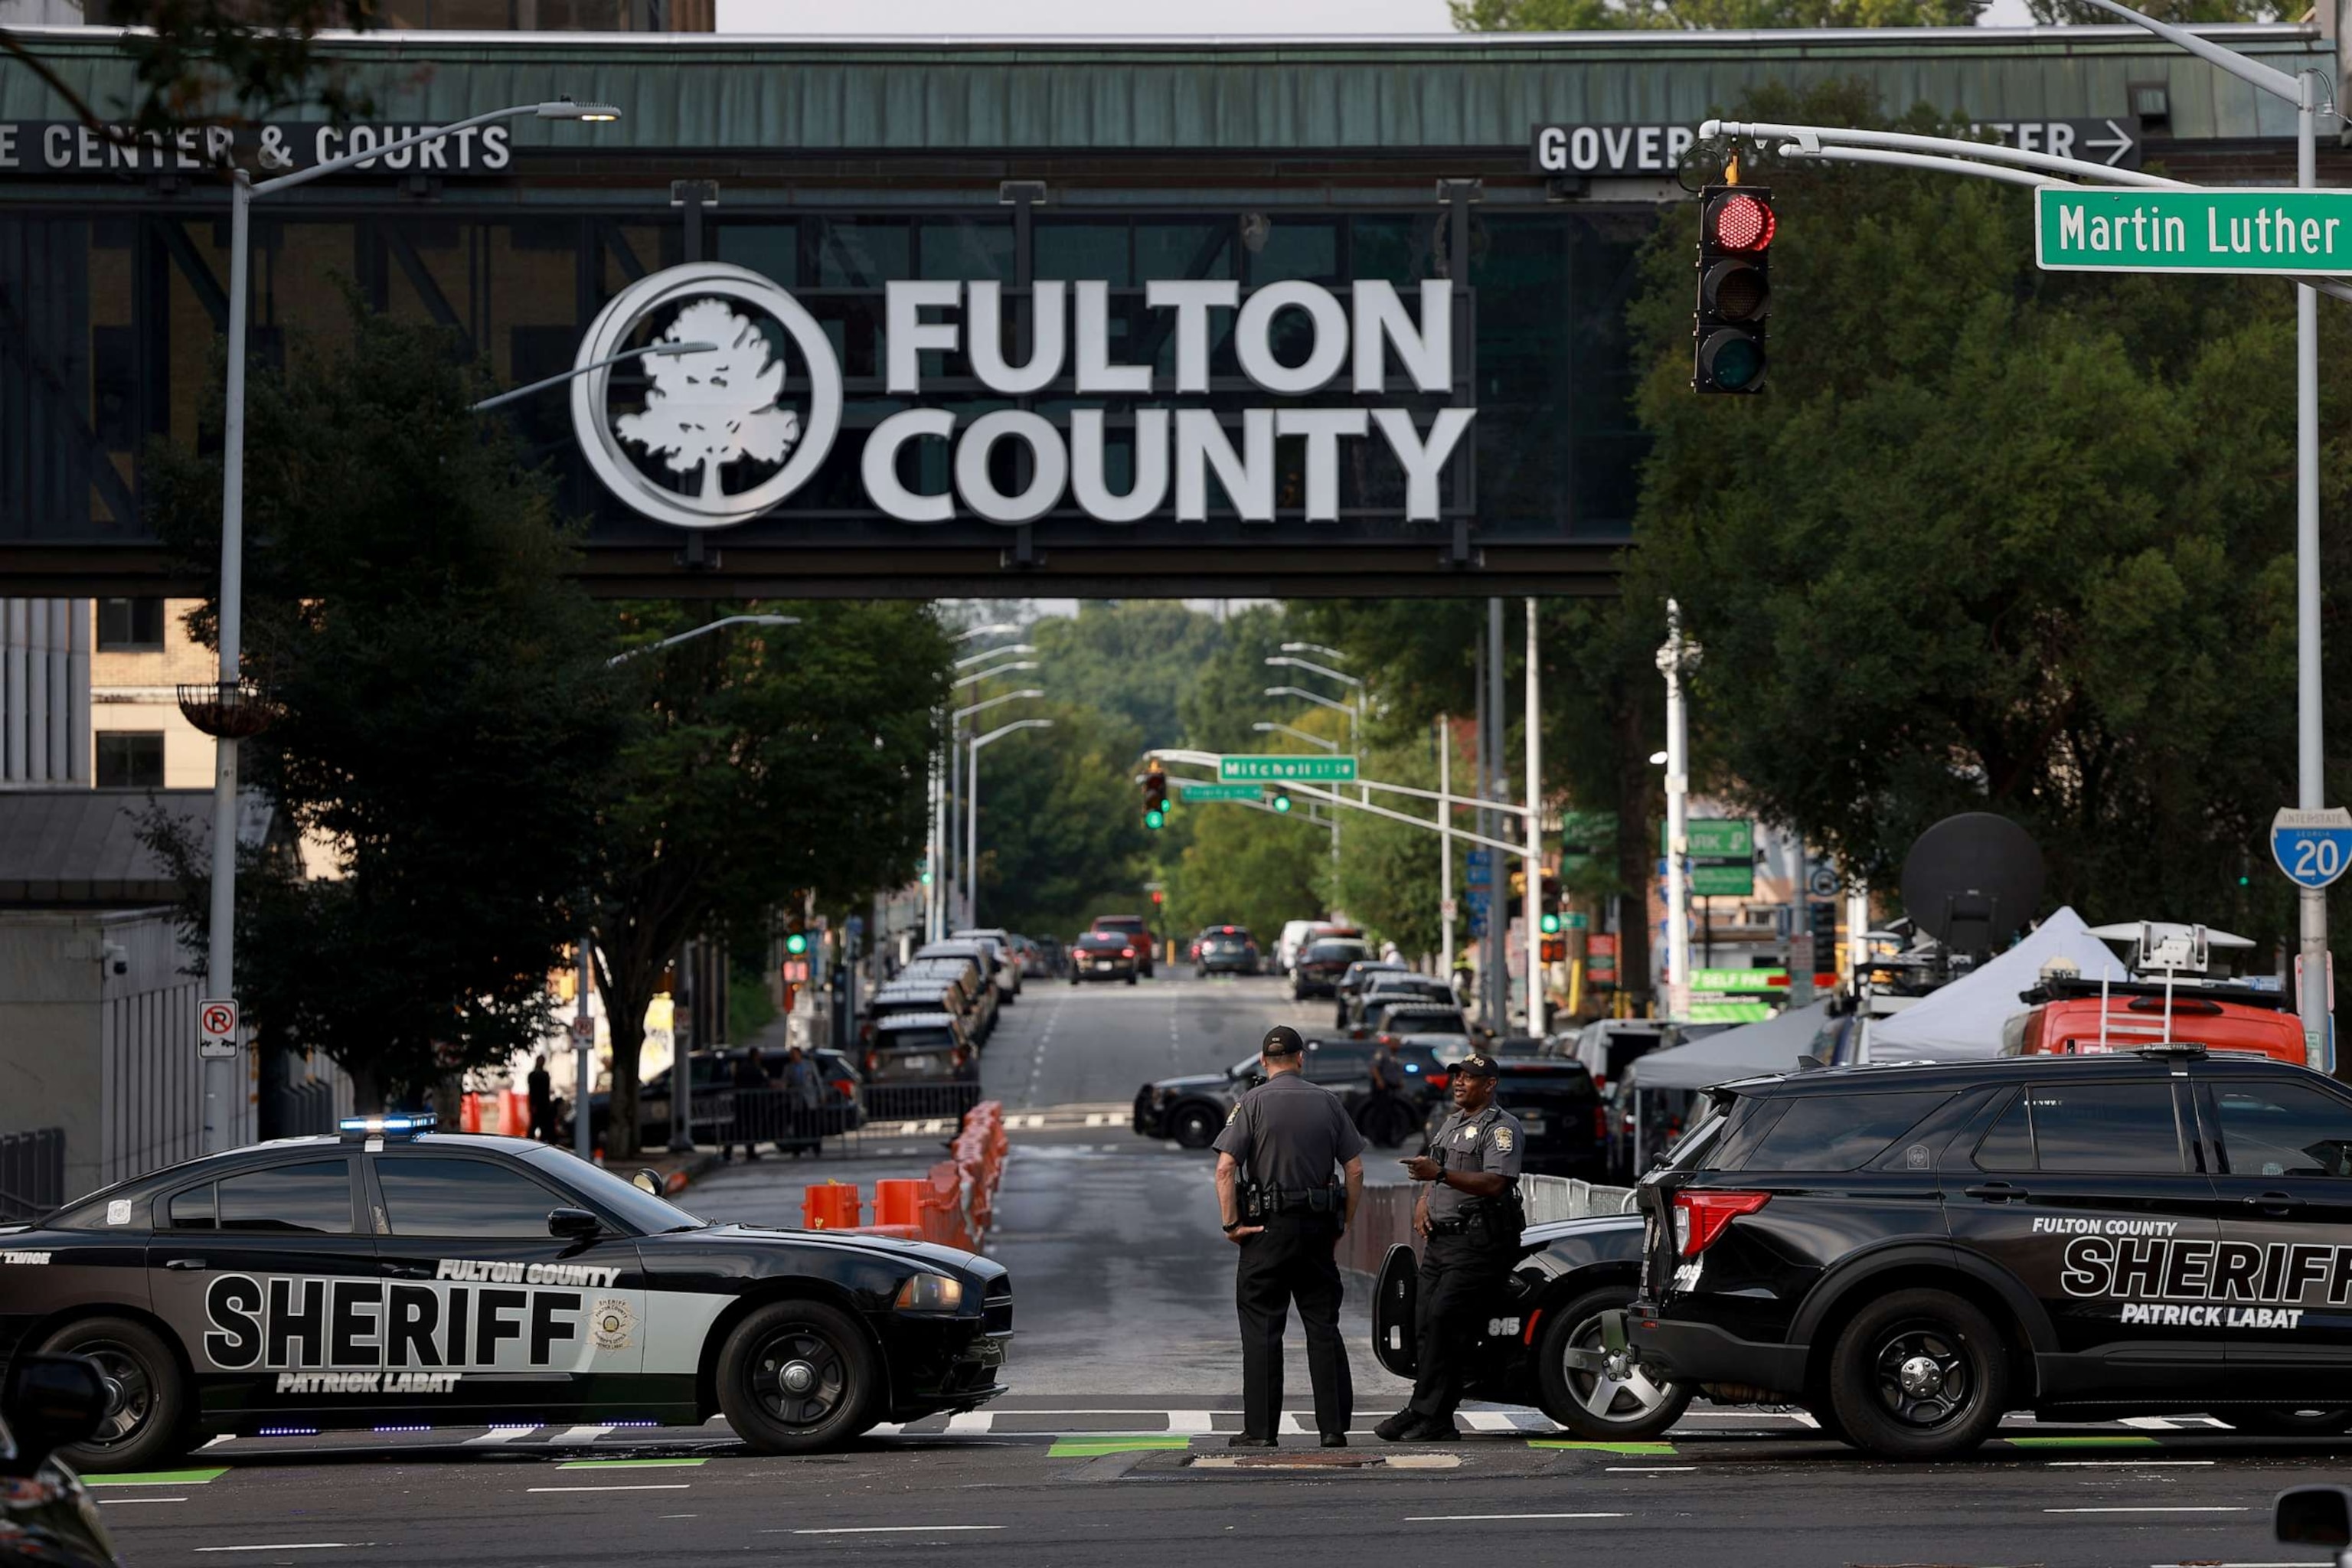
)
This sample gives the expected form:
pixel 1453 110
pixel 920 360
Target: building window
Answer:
pixel 130 626
pixel 131 759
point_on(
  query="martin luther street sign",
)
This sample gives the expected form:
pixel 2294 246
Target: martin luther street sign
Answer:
pixel 2101 228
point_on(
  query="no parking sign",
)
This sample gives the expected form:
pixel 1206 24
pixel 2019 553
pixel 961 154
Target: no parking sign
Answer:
pixel 2313 847
pixel 217 1022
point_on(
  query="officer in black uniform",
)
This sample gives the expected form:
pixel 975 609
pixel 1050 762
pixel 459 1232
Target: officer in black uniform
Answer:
pixel 1280 1161
pixel 1472 1217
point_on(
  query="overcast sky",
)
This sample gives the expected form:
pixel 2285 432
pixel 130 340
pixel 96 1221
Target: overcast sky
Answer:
pixel 1093 16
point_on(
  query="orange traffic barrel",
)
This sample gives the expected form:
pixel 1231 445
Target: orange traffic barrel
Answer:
pixel 833 1207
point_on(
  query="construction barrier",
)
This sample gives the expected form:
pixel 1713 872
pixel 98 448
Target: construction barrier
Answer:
pixel 955 1206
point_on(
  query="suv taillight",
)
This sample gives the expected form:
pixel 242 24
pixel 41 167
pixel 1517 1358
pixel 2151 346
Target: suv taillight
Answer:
pixel 1601 1124
pixel 1700 1217
pixel 1127 952
pixel 1439 1079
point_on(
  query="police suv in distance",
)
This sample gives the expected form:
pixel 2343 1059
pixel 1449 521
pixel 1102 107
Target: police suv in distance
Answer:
pixel 1911 1251
pixel 398 1275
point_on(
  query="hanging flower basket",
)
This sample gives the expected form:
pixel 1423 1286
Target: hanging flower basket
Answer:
pixel 228 709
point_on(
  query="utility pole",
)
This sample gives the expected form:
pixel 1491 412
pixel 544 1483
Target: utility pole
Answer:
pixel 1676 659
pixel 583 1042
pixel 1497 974
pixel 1535 831
pixel 1445 847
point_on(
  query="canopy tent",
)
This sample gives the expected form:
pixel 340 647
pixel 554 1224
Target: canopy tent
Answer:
pixel 1962 1021
pixel 1772 1046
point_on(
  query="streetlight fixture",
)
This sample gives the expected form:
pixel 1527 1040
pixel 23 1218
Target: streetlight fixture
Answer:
pixel 971 810
pixel 963 713
pixel 995 628
pixel 1329 653
pixel 627 654
pixel 970 659
pixel 979 675
pixel 230 713
pixel 1264 727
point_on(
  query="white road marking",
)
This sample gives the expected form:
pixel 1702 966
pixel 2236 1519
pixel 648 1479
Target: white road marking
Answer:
pixel 2119 1464
pixel 970 1421
pixel 892 1530
pixel 1193 1423
pixel 1649 1469
pixel 2199 1509
pixel 500 1434
pixel 2151 1423
pixel 624 1486
pixel 291 1546
pixel 1473 1518
pixel 1490 1420
pixel 579 1435
pixel 132 1499
pixel 216 1442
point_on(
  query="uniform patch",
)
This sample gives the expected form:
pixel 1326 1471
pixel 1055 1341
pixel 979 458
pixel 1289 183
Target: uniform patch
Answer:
pixel 1503 1139
pixel 613 1322
pixel 1236 1110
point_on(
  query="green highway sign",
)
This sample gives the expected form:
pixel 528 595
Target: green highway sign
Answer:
pixel 1577 920
pixel 1738 980
pixel 2102 228
pixel 1192 792
pixel 1717 838
pixel 1258 768
pixel 1735 881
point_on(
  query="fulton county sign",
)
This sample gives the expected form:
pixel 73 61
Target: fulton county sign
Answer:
pixel 744 424
pixel 2083 228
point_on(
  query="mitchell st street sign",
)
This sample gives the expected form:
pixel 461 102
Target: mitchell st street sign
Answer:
pixel 2080 229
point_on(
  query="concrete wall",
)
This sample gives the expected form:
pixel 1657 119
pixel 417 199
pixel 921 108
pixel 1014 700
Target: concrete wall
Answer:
pixel 108 1057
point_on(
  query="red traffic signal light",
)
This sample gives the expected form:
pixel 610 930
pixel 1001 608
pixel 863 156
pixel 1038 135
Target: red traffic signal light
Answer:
pixel 1741 221
pixel 1155 791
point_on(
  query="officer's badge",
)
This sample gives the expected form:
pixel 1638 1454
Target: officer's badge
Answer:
pixel 614 1319
pixel 1503 1139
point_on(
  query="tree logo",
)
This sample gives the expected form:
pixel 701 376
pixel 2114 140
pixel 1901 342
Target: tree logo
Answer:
pixel 708 410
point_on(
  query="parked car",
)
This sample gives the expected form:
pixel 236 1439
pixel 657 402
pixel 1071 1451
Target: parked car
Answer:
pixel 1320 965
pixel 970 969
pixel 1385 988
pixel 1192 1109
pixel 1104 956
pixel 1561 1117
pixel 1608 1046
pixel 1138 931
pixel 1224 950
pixel 1004 961
pixel 1053 959
pixel 920 1064
pixel 1358 978
pixel 1411 1015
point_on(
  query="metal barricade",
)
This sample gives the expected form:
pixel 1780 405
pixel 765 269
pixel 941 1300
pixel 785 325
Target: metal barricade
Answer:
pixel 920 1103
pixel 32 1173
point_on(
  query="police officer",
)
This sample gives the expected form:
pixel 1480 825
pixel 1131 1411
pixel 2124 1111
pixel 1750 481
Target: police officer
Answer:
pixel 1280 1161
pixel 1470 1216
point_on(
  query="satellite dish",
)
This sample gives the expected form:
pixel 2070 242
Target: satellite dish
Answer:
pixel 1972 881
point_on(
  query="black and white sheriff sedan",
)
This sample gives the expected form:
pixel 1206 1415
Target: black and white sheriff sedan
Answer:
pixel 393 1275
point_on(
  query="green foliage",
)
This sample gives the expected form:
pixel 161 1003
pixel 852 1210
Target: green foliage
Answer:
pixel 1245 868
pixel 1134 659
pixel 448 725
pixel 1994 539
pixel 1226 691
pixel 1061 830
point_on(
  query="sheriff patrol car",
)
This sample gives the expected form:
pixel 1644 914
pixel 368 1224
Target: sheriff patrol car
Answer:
pixel 397 1274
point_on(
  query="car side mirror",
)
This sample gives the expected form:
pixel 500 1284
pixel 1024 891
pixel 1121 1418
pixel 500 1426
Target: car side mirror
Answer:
pixel 50 1401
pixel 647 1180
pixel 574 1225
pixel 2313 1516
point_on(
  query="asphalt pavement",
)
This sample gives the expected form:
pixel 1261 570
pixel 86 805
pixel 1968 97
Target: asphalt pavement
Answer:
pixel 1124 1379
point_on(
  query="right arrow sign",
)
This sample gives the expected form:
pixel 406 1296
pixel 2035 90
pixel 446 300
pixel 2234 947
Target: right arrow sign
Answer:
pixel 2114 142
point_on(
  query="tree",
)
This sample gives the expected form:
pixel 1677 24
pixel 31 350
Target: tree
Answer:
pixel 1245 868
pixel 763 765
pixel 445 717
pixel 1134 657
pixel 708 408
pixel 214 62
pixel 2078 614
pixel 1061 823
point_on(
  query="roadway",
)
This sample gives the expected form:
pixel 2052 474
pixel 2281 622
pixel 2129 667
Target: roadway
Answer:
pixel 1124 1379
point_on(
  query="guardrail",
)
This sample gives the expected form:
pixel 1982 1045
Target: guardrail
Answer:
pixel 1384 1218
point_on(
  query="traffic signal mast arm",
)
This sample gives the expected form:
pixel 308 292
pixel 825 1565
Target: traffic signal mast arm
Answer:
pixel 1462 802
pixel 1950 155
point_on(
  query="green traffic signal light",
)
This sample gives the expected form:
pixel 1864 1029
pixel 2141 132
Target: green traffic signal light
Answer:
pixel 796 944
pixel 1550 922
pixel 1155 820
pixel 1281 802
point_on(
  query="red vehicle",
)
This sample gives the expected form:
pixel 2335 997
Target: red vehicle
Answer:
pixel 2065 1019
pixel 1137 933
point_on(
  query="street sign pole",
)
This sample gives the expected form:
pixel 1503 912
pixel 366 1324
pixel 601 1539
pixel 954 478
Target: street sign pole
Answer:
pixel 1445 848
pixel 1677 657
pixel 1536 998
pixel 2312 846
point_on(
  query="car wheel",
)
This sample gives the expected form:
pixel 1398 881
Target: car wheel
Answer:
pixel 1195 1126
pixel 1130 977
pixel 795 1377
pixel 1919 1374
pixel 148 1411
pixel 2282 1421
pixel 1584 1392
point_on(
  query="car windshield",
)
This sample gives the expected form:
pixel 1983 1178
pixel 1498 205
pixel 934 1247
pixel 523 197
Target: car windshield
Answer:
pixel 917 1040
pixel 1335 953
pixel 631 1205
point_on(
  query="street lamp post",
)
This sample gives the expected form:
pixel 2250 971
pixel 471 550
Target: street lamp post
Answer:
pixel 1678 659
pixel 1322 701
pixel 225 711
pixel 972 808
pixel 1264 727
pixel 960 871
pixel 935 920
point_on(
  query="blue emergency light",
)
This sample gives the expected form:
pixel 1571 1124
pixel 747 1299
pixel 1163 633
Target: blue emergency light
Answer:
pixel 397 1125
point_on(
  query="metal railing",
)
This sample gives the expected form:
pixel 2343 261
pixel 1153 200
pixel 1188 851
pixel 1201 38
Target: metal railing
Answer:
pixel 32 1173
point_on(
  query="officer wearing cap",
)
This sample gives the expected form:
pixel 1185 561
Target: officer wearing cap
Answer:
pixel 1281 1161
pixel 1471 1215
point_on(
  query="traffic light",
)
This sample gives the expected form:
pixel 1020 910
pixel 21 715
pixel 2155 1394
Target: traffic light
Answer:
pixel 1550 922
pixel 1734 293
pixel 1155 799
pixel 796 944
pixel 1281 801
pixel 1822 918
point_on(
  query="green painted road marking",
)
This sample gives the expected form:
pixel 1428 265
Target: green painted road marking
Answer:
pixel 2081 1442
pixel 156 1479
pixel 627 1464
pixel 1602 1448
pixel 1095 1447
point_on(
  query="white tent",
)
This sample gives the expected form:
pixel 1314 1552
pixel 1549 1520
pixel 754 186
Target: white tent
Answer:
pixel 1962 1021
pixel 1772 1046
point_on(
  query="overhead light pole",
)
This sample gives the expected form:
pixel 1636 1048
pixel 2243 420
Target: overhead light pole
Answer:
pixel 972 807
pixel 1676 659
pixel 229 713
pixel 1264 727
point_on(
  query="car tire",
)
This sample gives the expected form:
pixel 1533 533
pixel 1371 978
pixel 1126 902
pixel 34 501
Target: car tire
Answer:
pixel 149 1415
pixel 2283 1421
pixel 1634 1409
pixel 1194 1126
pixel 773 1349
pixel 1130 977
pixel 1919 1374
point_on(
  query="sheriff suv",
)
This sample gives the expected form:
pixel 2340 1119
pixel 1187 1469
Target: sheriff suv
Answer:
pixel 1910 1251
